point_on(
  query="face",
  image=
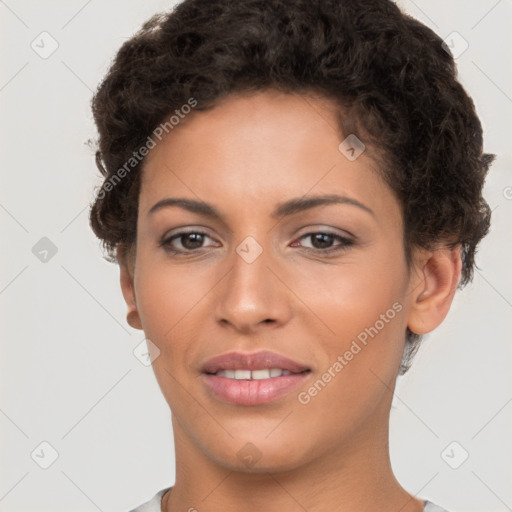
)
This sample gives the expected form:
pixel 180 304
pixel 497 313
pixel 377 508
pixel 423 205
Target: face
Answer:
pixel 324 284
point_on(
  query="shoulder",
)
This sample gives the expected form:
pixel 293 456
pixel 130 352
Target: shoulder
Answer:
pixel 432 507
pixel 154 504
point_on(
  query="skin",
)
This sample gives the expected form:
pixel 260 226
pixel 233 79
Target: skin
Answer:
pixel 245 156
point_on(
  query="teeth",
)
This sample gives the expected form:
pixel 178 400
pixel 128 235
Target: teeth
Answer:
pixel 262 374
pixel 242 374
pixel 253 375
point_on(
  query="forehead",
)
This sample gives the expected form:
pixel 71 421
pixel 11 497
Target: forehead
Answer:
pixel 262 147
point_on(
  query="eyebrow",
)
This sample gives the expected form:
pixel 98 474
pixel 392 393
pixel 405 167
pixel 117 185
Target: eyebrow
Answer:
pixel 290 207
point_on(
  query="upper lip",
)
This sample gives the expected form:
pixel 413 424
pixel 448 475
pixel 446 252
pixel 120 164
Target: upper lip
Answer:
pixel 253 361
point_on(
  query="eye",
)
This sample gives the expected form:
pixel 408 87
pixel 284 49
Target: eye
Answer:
pixel 323 242
pixel 188 241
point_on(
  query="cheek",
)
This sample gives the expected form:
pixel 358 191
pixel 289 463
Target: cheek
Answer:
pixel 174 303
pixel 352 296
pixel 168 302
pixel 165 297
pixel 359 362
pixel 362 330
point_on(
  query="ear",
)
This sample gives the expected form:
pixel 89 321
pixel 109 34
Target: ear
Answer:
pixel 434 283
pixel 127 268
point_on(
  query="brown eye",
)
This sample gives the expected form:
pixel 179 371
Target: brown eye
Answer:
pixel 184 241
pixel 191 240
pixel 323 242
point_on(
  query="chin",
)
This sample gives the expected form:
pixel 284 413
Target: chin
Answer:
pixel 258 454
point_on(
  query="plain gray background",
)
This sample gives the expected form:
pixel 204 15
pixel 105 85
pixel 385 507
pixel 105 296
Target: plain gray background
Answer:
pixel 68 374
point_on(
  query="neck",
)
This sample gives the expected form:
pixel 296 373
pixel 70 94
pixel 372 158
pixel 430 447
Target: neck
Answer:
pixel 356 475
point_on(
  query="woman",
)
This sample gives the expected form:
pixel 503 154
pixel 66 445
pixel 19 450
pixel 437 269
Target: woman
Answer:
pixel 293 192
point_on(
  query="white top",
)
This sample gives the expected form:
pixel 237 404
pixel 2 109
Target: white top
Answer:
pixel 155 504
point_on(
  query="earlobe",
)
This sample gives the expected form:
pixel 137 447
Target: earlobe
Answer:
pixel 127 287
pixel 436 278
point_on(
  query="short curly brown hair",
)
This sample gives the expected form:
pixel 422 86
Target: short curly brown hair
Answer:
pixel 394 81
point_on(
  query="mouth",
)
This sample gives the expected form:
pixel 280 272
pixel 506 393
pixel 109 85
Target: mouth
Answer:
pixel 252 379
pixel 255 362
pixel 254 374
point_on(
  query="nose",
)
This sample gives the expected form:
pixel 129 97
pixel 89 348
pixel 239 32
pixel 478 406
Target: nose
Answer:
pixel 253 295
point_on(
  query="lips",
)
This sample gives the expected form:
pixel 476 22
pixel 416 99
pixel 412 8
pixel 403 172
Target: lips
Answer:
pixel 252 379
pixel 264 360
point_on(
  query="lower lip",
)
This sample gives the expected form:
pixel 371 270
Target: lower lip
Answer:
pixel 253 392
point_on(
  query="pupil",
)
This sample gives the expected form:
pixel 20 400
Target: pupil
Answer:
pixel 198 240
pixel 324 239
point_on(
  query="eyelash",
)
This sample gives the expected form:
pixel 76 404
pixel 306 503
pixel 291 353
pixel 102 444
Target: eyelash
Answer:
pixel 345 242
